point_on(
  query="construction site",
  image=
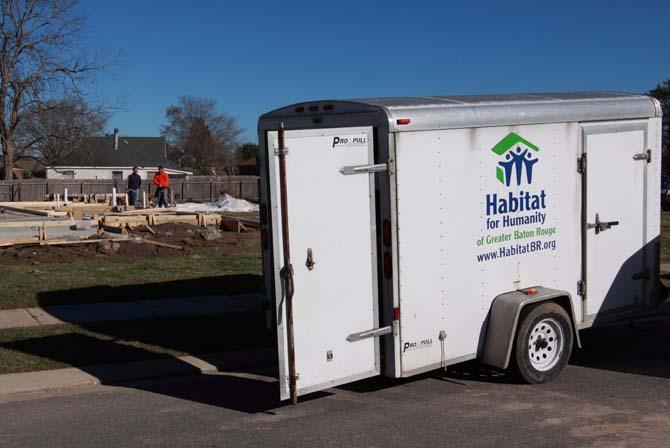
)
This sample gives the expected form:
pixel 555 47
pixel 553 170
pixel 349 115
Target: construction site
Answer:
pixel 65 237
pixel 100 221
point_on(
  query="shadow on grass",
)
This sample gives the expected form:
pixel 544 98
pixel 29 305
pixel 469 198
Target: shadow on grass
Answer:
pixel 109 351
pixel 203 286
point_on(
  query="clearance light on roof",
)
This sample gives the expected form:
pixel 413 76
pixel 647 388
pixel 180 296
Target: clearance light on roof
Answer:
pixel 530 291
pixel 402 121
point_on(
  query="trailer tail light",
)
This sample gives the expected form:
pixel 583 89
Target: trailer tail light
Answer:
pixel 313 108
pixel 328 107
pixel 264 239
pixel 396 313
pixel 388 265
pixel 263 213
pixel 403 121
pixel 386 232
pixel 299 109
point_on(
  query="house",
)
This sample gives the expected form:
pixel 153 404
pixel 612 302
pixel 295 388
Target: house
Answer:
pixel 27 168
pixel 113 157
pixel 248 167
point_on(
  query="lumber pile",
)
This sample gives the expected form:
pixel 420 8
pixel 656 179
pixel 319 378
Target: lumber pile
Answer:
pixel 150 218
pixel 31 211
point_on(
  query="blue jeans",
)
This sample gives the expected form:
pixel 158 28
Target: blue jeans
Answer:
pixel 163 197
pixel 132 197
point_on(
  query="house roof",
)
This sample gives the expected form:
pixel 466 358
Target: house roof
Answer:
pixel 139 151
pixel 249 162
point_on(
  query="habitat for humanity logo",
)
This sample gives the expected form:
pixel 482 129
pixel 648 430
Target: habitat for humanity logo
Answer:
pixel 517 155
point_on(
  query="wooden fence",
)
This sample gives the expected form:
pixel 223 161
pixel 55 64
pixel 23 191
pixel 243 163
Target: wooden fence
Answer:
pixel 195 188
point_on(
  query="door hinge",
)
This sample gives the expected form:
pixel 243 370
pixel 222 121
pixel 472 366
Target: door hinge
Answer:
pixel 281 153
pixel 643 156
pixel 581 164
pixel 581 288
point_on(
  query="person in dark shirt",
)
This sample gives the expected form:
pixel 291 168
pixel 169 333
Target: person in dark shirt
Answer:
pixel 134 184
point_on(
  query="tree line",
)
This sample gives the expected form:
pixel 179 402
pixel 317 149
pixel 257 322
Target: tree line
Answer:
pixel 47 108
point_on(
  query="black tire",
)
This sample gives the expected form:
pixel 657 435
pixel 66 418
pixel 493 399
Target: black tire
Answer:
pixel 540 324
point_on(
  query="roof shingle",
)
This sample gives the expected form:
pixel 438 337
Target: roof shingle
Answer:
pixel 139 151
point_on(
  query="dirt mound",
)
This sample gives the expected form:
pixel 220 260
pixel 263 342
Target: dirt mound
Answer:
pixel 187 236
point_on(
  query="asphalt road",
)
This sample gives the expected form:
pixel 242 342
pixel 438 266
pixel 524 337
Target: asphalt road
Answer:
pixel 615 393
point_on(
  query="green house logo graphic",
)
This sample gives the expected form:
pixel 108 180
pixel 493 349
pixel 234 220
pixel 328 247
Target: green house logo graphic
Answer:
pixel 516 154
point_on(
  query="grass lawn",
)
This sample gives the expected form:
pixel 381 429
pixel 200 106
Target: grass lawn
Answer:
pixel 202 272
pixel 54 347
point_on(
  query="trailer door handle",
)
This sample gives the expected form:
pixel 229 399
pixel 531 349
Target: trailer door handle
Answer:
pixel 369 334
pixel 601 226
pixel 363 169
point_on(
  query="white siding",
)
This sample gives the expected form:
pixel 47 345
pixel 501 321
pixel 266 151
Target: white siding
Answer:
pixel 100 173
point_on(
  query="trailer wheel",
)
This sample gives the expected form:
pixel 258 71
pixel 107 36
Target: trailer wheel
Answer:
pixel 543 343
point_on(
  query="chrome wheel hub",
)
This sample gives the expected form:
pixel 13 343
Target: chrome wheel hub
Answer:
pixel 545 344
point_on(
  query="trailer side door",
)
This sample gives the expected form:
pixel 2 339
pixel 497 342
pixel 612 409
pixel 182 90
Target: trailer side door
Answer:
pixel 614 214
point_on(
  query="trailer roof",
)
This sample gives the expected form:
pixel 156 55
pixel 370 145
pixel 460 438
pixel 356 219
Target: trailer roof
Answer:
pixel 444 112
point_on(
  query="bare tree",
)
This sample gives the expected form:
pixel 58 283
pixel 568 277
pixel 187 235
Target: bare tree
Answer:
pixel 39 61
pixel 62 127
pixel 201 138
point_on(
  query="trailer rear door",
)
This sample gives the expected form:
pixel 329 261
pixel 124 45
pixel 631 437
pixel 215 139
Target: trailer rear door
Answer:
pixel 333 253
pixel 615 216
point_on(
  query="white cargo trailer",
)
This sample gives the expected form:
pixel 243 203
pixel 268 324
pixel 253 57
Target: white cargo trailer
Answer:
pixel 428 231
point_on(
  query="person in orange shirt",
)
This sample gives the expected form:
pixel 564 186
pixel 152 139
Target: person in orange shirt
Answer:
pixel 162 183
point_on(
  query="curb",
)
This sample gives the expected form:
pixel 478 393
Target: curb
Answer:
pixel 73 377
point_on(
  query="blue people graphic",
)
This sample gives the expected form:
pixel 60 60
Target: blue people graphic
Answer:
pixel 518 161
pixel 529 162
pixel 507 166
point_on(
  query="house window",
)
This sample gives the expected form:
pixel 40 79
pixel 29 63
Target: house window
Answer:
pixel 68 174
pixel 117 176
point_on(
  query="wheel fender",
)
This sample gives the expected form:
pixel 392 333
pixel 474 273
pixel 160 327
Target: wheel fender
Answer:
pixel 504 319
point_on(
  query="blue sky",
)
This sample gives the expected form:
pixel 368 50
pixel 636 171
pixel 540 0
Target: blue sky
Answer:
pixel 254 56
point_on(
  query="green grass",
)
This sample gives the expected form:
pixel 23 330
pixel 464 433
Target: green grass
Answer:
pixel 59 346
pixel 91 280
pixel 201 272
